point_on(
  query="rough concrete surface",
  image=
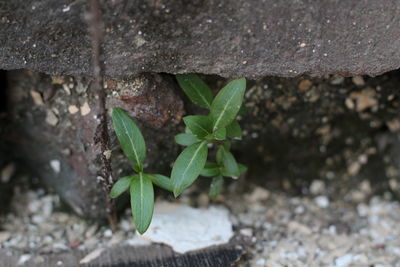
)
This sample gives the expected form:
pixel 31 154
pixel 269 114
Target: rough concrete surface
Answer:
pixel 251 38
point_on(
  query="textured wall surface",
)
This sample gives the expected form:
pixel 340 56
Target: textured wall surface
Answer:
pixel 251 38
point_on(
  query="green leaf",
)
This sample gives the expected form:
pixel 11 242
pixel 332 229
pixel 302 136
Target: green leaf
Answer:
pixel 242 110
pixel 220 134
pixel 242 168
pixel 188 166
pixel 227 145
pixel 219 155
pixel 216 187
pixel 211 169
pixel 233 130
pixel 161 181
pixel 197 90
pixel 130 138
pixel 230 165
pixel 120 186
pixel 199 125
pixel 142 201
pixel 227 103
pixel 186 139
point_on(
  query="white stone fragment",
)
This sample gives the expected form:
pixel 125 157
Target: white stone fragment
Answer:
pixel 85 109
pixel 246 232
pixel 91 256
pixel 107 153
pixel 51 118
pixel 322 201
pixel 317 187
pixel 344 260
pixel 185 228
pixel 55 165
pixel 4 236
pixel 7 172
pixel 66 9
pixel 23 259
pixel 358 80
pixel 73 109
pixel 37 98
pixel 258 194
pixel 108 233
pixel 137 241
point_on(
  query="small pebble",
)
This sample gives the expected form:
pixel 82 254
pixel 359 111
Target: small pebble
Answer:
pixel 344 260
pixel 85 109
pixel 55 165
pixel 108 233
pixel 338 80
pixel 246 232
pixel 322 201
pixel 73 109
pixel 7 172
pixel 51 118
pixel 23 259
pixel 305 85
pixel 37 98
pixel 358 80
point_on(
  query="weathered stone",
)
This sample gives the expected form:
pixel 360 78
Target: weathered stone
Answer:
pixel 65 154
pixel 249 38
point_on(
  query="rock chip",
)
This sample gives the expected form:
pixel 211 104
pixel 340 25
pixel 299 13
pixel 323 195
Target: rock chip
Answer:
pixel 185 228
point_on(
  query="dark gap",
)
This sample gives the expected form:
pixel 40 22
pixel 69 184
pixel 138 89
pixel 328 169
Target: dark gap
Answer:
pixel 3 90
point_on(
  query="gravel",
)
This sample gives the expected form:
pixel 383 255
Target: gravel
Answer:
pixel 306 231
pixel 277 229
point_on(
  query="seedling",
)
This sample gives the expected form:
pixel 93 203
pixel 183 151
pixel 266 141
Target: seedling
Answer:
pixel 140 185
pixel 216 129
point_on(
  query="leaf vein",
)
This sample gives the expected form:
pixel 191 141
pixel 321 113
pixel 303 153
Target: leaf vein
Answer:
pixel 191 161
pixel 131 141
pixel 222 112
pixel 201 96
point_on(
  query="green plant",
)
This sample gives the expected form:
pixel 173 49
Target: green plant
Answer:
pixel 202 132
pixel 140 185
pixel 212 130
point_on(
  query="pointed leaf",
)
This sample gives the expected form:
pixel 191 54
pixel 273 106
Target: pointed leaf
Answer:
pixel 216 187
pixel 211 169
pixel 120 186
pixel 130 138
pixel 199 125
pixel 242 168
pixel 142 201
pixel 227 145
pixel 161 181
pixel 220 134
pixel 230 165
pixel 188 166
pixel 233 130
pixel 225 173
pixel 227 103
pixel 186 139
pixel 219 155
pixel 197 90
